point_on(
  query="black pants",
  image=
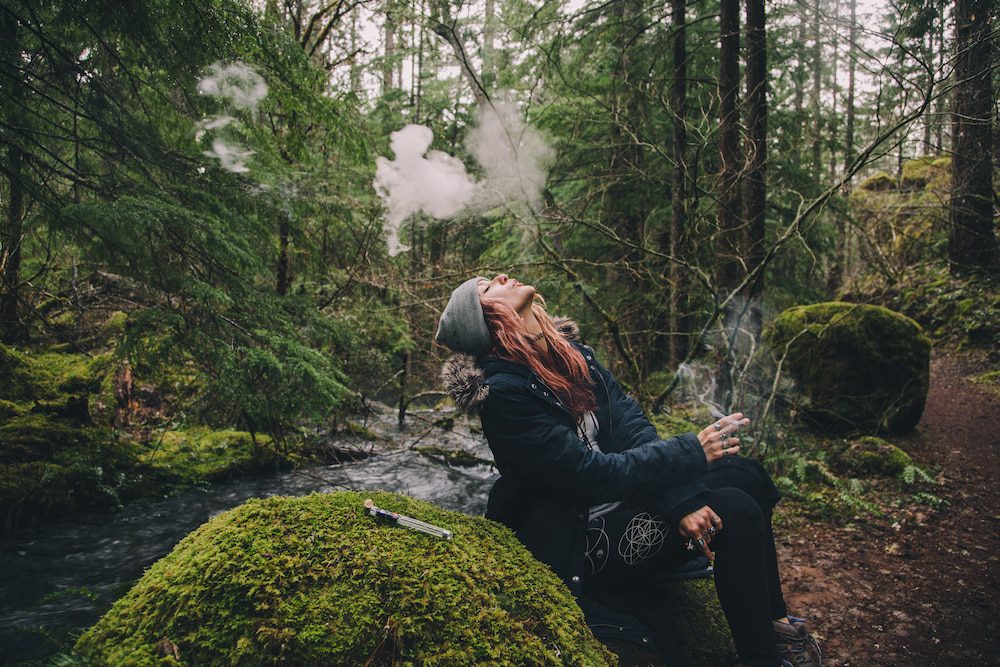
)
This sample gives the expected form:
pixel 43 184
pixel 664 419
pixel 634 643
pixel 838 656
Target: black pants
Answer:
pixel 629 546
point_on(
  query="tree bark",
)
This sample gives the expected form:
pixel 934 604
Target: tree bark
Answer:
pixel 729 208
pixel 834 90
pixel 972 241
pixel 849 154
pixel 389 52
pixel 817 69
pixel 676 324
pixel 489 46
pixel 756 182
pixel 283 277
pixel 940 105
pixel 11 327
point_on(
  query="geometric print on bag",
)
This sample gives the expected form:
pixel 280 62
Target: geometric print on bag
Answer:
pixel 643 537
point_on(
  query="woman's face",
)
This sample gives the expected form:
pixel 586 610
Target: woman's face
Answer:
pixel 507 290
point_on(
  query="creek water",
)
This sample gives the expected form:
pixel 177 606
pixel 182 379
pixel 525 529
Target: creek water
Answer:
pixel 58 583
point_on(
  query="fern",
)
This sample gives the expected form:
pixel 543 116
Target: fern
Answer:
pixel 913 472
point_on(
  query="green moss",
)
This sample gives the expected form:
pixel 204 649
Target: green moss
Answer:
pixel 315 581
pixel 115 324
pixel 858 368
pixel 878 182
pixel 989 381
pixel 697 615
pixel 872 456
pixel 51 466
pixel 49 375
pixel 17 374
pixel 670 425
pixel 11 409
pixel 199 455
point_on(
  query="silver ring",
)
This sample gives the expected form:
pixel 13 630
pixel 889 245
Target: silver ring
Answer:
pixel 718 426
pixel 689 546
pixel 711 531
pixel 701 542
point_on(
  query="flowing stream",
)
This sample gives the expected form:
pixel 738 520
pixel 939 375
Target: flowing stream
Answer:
pixel 58 583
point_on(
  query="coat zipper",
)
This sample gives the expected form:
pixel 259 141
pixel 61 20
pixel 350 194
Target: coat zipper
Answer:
pixel 607 394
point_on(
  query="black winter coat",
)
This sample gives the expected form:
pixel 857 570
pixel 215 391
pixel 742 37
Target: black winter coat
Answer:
pixel 549 476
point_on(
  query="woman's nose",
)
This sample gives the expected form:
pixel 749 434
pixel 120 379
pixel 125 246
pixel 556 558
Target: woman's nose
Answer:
pixel 501 278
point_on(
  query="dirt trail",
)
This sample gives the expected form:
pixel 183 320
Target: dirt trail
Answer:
pixel 926 592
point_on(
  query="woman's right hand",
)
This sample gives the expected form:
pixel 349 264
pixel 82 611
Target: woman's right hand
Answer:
pixel 717 440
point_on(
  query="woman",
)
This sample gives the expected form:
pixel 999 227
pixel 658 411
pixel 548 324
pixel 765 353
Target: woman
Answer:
pixel 590 488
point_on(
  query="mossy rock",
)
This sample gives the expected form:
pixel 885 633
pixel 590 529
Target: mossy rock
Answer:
pixel 50 375
pixel 53 467
pixel 858 368
pixel 199 454
pixel 697 616
pixel 878 182
pixel 314 580
pixel 872 456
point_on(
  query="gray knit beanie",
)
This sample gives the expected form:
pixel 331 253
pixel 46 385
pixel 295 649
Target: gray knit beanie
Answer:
pixel 462 326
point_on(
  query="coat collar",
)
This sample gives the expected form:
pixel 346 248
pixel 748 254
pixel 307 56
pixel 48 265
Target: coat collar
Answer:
pixel 465 377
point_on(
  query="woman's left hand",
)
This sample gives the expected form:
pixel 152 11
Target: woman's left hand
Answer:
pixel 700 526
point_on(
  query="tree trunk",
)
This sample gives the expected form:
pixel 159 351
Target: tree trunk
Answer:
pixel 833 129
pixel 283 278
pixel 355 71
pixel 972 242
pixel 389 53
pixel 489 46
pixel 799 77
pixel 817 69
pixel 730 245
pixel 12 234
pixel 626 113
pixel 927 53
pixel 838 267
pixel 940 105
pixel 852 60
pixel 729 209
pixel 677 329
pixel 756 183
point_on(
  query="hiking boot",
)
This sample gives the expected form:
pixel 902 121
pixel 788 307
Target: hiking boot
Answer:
pixel 795 644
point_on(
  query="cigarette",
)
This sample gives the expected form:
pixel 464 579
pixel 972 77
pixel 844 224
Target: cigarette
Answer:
pixel 406 521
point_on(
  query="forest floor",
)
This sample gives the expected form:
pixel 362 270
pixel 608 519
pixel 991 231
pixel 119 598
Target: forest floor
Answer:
pixel 925 589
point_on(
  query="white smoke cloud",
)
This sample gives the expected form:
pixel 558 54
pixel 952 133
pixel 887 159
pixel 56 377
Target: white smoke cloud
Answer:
pixel 232 158
pixel 236 86
pixel 236 83
pixel 417 180
pixel 513 156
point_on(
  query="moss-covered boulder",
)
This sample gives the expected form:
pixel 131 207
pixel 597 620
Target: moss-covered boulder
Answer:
pixel 857 368
pixel 697 616
pixel 878 182
pixel 316 581
pixel 872 456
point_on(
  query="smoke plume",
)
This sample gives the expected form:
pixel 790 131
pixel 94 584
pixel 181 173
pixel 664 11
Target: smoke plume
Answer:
pixel 235 86
pixel 513 157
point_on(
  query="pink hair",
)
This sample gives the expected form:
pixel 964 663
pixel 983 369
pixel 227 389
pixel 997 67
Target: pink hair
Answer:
pixel 562 368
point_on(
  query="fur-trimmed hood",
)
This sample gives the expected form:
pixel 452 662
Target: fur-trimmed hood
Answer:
pixel 465 380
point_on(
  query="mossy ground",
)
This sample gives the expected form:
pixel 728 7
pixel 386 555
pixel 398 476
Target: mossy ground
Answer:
pixel 314 580
pixel 60 453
